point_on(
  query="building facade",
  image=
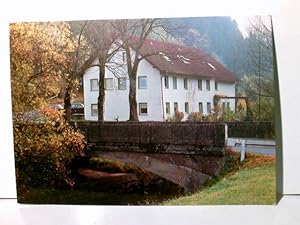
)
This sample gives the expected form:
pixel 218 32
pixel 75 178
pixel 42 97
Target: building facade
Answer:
pixel 177 78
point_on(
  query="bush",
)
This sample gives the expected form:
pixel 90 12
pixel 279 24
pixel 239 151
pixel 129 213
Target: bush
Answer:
pixel 44 151
pixel 178 116
pixel 195 117
pixel 229 115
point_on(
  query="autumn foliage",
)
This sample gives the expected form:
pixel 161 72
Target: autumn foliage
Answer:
pixel 45 144
pixel 44 151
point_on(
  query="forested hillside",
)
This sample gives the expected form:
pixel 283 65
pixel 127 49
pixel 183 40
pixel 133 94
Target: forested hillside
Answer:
pixel 249 57
pixel 221 37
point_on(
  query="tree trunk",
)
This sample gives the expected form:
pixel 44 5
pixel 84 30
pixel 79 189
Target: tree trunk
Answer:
pixel 133 115
pixel 67 103
pixel 101 97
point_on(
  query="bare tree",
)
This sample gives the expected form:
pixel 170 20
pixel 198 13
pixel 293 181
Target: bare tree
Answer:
pixel 102 38
pixel 137 32
pixel 261 58
pixel 76 62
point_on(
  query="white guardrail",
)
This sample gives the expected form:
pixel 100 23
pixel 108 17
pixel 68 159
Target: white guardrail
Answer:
pixel 243 142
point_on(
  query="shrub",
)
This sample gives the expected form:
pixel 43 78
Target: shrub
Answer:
pixel 195 117
pixel 229 115
pixel 44 151
pixel 178 116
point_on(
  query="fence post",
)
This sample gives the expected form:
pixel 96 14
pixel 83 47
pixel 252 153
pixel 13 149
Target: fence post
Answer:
pixel 226 133
pixel 243 150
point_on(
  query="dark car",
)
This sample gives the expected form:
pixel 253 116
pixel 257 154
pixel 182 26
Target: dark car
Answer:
pixel 77 108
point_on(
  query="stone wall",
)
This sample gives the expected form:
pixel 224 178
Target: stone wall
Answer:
pixel 182 137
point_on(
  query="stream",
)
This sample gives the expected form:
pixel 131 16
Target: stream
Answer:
pixel 114 183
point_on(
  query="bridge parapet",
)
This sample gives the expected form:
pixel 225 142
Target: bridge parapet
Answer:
pixel 164 137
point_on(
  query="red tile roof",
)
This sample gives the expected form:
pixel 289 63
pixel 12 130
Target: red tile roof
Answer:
pixel 170 58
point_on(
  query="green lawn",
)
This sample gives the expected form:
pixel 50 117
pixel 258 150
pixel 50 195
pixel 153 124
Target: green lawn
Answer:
pixel 255 185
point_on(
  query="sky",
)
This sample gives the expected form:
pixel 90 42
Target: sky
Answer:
pixel 243 23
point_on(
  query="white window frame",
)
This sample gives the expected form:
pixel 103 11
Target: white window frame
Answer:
pixel 200 107
pixel 208 85
pixel 139 84
pixel 168 108
pixel 186 108
pixel 166 81
pixel 176 107
pixel 106 83
pixel 208 107
pixel 119 83
pixel 174 82
pixel 140 108
pixel 185 84
pixel 93 110
pixel 91 85
pixel 200 85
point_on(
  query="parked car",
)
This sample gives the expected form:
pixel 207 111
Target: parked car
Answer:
pixel 77 108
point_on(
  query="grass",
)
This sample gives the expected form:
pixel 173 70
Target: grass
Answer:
pixel 253 183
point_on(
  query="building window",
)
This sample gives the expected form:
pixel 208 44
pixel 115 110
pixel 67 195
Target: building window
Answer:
pixel 200 85
pixel 208 85
pixel 94 109
pixel 175 107
pixel 167 107
pixel 94 84
pixel 208 107
pixel 108 85
pixel 143 109
pixel 228 105
pixel 174 82
pixel 216 85
pixel 166 78
pixel 124 57
pixel 142 82
pixel 200 107
pixel 185 84
pixel 122 83
pixel 186 107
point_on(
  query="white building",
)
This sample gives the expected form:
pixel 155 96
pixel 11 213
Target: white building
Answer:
pixel 175 78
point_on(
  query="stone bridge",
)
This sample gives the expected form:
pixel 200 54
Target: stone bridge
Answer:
pixel 184 153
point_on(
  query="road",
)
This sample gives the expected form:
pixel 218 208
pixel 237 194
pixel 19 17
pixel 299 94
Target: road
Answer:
pixel 258 146
pixel 265 150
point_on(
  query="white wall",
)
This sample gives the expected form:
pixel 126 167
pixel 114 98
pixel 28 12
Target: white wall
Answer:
pixel 193 96
pixel 227 89
pixel 116 101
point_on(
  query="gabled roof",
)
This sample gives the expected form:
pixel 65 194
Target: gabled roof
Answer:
pixel 170 58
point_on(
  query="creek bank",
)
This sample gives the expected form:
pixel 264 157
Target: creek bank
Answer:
pixel 101 175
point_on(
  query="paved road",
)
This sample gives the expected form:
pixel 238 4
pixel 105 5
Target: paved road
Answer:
pixel 259 146
pixel 265 150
